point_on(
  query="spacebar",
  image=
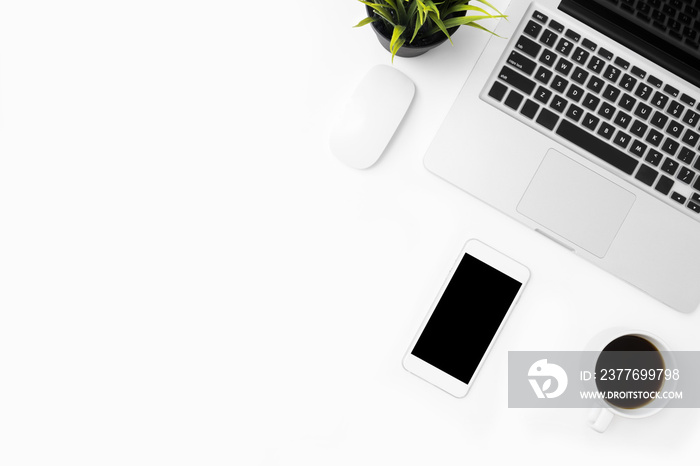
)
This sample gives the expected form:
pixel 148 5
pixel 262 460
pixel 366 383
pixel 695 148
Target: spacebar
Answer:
pixel 595 146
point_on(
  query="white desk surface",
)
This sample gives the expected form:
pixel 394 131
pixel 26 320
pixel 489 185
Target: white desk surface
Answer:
pixel 190 277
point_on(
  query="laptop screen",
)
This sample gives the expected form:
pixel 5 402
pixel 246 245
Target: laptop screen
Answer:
pixel 666 32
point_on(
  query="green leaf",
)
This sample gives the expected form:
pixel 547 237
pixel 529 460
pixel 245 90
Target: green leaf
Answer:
pixel 380 10
pixel 436 19
pixel 479 26
pixel 396 40
pixel 367 20
pixel 464 20
pixel 401 11
pixel 431 6
pixel 456 8
pixel 415 30
pixel 490 6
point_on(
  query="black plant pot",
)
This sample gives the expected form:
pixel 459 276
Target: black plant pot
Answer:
pixel 418 47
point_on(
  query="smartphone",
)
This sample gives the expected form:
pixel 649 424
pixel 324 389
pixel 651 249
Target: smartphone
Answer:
pixel 466 317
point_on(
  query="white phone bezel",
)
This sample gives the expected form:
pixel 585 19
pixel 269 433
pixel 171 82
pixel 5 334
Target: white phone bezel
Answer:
pixel 495 259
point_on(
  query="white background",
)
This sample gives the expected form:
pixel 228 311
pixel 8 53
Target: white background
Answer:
pixel 188 276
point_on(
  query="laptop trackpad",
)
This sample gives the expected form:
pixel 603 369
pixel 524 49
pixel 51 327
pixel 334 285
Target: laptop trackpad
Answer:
pixel 576 203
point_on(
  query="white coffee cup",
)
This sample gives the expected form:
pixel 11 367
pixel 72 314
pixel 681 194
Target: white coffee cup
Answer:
pixel 600 417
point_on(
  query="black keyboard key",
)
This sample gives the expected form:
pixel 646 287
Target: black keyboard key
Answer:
pixel 547 119
pixel 533 29
pixel 690 118
pixel 574 112
pixel 579 75
pixel 664 185
pixel 695 197
pixel 638 128
pixel 596 65
pixel 646 175
pixel 590 45
pixel 528 46
pixel 606 110
pixel 606 130
pixel 659 120
pixel 573 35
pixel 612 73
pixel 686 155
pixel 638 148
pixel 678 198
pixel 654 81
pixel 590 121
pixel 627 82
pixel 595 146
pixel 513 100
pixel 671 90
pixel 669 166
pixel 622 139
pixel 654 137
pixel 521 62
pixel 563 66
pixel 605 53
pixel 688 100
pixel 659 25
pixel 557 26
pixel 690 33
pixel 558 104
pixel 498 90
pixel 543 75
pixel 694 207
pixel 564 46
pixel 622 119
pixel 643 91
pixel 696 185
pixel 690 137
pixel 580 55
pixel 549 38
pixel 595 84
pixel 674 129
pixel 611 93
pixel 543 94
pixel 624 64
pixel 591 102
pixel 529 109
pixel 675 109
pixel 627 102
pixel 517 80
pixel 638 72
pixel 542 18
pixel 642 111
pixel 654 157
pixel 559 84
pixel 575 93
pixel 686 175
pixel 670 146
pixel 660 100
pixel 548 57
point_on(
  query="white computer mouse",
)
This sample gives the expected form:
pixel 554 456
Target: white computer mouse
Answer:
pixel 371 116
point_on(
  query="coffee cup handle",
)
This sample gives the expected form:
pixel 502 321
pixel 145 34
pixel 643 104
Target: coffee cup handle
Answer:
pixel 599 419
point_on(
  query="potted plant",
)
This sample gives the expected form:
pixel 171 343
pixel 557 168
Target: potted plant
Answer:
pixel 409 28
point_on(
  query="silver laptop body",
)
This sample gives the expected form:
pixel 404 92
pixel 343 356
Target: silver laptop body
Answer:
pixel 526 136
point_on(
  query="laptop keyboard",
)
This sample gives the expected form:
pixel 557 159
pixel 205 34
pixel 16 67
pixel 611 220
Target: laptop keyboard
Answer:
pixel 602 104
pixel 678 19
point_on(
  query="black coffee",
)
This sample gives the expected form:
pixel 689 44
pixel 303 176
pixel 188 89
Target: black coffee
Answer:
pixel 628 369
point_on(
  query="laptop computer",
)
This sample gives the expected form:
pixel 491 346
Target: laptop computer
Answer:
pixel 583 123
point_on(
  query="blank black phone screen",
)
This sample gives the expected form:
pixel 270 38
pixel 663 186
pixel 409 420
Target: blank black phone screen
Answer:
pixel 466 318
